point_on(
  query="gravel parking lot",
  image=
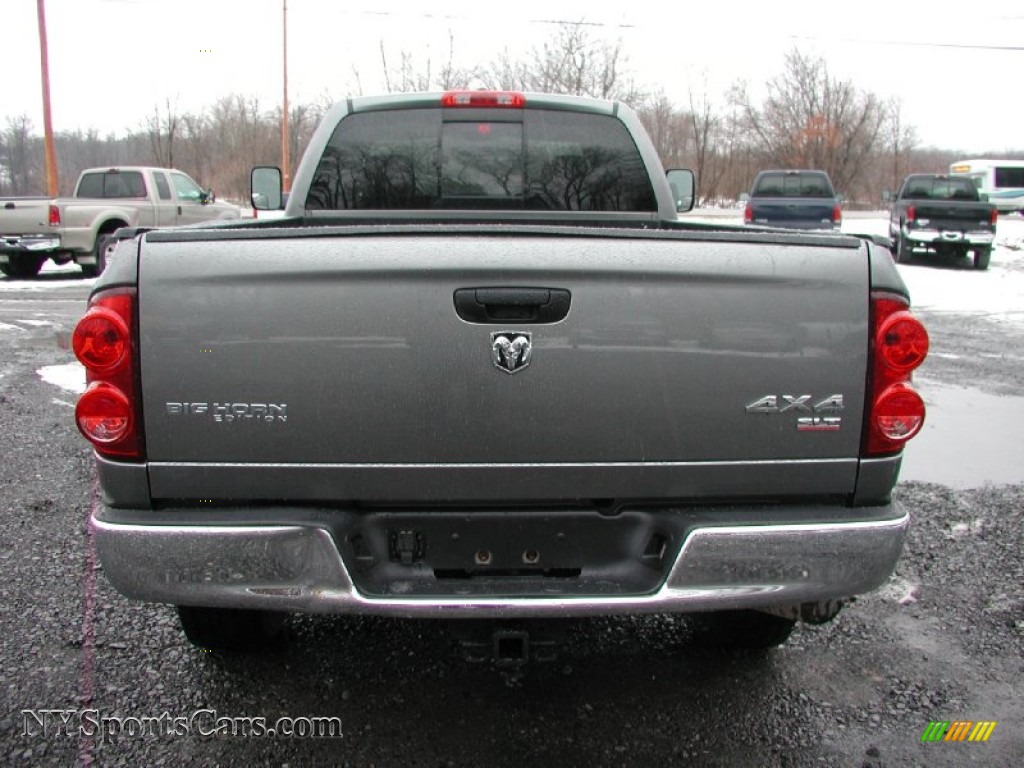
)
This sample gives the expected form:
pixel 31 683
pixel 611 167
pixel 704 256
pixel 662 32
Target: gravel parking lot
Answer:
pixel 943 641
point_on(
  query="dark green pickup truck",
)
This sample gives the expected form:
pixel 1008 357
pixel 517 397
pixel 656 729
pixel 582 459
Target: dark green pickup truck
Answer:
pixel 942 216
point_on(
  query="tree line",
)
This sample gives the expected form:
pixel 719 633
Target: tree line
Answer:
pixel 804 117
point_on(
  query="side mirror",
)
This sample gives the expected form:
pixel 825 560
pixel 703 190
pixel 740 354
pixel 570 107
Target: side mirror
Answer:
pixel 744 197
pixel 207 196
pixel 684 187
pixel 265 188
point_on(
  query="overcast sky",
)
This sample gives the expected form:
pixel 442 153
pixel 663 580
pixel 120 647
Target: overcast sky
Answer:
pixel 956 66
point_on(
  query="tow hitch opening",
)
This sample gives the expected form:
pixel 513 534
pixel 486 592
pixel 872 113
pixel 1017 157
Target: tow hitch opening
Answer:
pixel 509 644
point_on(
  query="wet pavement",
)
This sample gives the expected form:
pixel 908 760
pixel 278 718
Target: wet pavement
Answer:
pixel 970 438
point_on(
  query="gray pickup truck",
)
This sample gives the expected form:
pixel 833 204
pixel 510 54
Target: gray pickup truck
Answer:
pixel 939 215
pixel 481 370
pixel 792 199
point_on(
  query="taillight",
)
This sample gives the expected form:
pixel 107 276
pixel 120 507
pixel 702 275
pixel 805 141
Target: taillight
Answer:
pixel 994 216
pixel 899 344
pixel 837 215
pixel 911 212
pixel 104 414
pixel 109 412
pixel 898 413
pixel 101 340
pixel 901 341
pixel 748 214
pixel 54 216
pixel 506 99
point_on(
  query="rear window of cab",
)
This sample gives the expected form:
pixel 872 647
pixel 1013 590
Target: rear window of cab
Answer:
pixel 530 159
pixel 793 185
pixel 111 184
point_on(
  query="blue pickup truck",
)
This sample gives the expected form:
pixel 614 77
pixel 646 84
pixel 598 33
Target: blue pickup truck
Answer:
pixel 945 216
pixel 793 200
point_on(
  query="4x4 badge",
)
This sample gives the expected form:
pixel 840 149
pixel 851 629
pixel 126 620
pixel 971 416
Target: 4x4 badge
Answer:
pixel 511 350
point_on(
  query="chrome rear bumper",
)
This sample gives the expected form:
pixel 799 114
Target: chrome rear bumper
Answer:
pixel 28 244
pixel 948 236
pixel 299 568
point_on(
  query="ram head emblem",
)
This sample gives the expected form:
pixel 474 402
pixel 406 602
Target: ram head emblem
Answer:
pixel 511 350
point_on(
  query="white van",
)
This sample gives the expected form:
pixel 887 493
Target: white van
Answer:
pixel 1001 180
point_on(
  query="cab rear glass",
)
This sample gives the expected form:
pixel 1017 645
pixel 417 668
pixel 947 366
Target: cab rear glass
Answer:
pixel 793 185
pixel 532 159
pixel 940 188
pixel 112 184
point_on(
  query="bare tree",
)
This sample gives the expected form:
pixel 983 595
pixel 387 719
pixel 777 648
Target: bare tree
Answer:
pixel 713 144
pixel 163 131
pixel 197 154
pixel 241 135
pixel 78 150
pixel 411 75
pixel 901 140
pixel 669 129
pixel 811 119
pixel 506 73
pixel 570 62
pixel 303 119
pixel 20 153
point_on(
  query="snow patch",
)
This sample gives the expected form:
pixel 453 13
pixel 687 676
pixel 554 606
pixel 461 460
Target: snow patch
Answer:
pixel 959 530
pixel 9 327
pixel 52 277
pixel 70 376
pixel 28 286
pixel 901 591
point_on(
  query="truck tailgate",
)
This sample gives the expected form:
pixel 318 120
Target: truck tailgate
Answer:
pixel 342 361
pixel 24 216
pixel 801 213
pixel 953 215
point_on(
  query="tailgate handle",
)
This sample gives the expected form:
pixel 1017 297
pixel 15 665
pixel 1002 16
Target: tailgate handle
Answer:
pixel 503 305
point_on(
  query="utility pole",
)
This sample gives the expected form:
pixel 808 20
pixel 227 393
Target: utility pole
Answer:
pixel 286 163
pixel 52 186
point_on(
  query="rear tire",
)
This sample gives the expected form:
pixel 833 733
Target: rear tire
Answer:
pixel 22 265
pixel 231 629
pixel 94 270
pixel 748 630
pixel 902 251
pixel 982 256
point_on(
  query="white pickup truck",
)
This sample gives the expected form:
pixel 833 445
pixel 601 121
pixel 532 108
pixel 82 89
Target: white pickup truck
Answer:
pixel 79 228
